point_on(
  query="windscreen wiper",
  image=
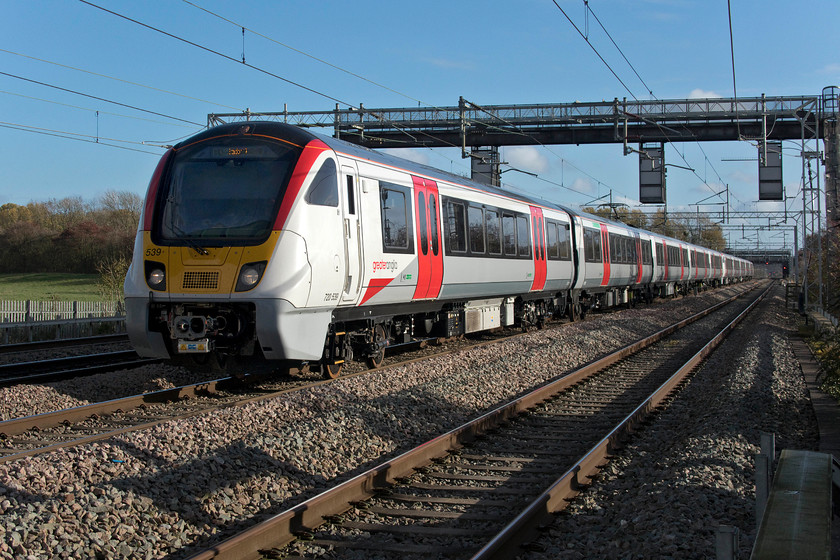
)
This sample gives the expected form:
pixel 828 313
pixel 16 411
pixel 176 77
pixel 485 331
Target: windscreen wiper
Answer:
pixel 182 236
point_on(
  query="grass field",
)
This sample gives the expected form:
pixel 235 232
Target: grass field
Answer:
pixel 49 286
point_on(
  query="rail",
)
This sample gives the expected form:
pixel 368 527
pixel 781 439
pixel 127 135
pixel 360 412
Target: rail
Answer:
pixel 279 530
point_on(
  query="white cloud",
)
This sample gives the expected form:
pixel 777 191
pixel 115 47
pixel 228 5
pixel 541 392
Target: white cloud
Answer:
pixel 411 154
pixel 702 94
pixel 833 68
pixel 526 158
pixel 584 185
pixel 449 63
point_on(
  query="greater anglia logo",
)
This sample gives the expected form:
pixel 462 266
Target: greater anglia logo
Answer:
pixel 384 265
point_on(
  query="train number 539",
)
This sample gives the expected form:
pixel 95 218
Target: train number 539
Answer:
pixel 153 252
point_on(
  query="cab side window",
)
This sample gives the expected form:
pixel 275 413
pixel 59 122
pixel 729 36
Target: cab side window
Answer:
pixel 324 188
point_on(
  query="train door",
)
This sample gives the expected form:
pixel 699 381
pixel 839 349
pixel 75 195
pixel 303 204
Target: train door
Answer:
pixel 429 248
pixel 639 258
pixel 352 234
pixel 538 231
pixel 605 243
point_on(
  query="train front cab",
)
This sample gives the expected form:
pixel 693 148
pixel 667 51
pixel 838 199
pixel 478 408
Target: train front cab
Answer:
pixel 221 264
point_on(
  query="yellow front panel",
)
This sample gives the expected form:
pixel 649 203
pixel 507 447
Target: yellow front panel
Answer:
pixel 190 272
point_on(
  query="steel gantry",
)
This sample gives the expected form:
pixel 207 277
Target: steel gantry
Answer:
pixel 469 124
pixel 479 130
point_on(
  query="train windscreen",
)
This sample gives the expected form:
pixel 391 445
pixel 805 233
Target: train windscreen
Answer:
pixel 224 191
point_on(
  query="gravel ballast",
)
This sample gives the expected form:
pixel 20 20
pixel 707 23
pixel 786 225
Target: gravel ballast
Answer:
pixel 185 484
pixel 693 470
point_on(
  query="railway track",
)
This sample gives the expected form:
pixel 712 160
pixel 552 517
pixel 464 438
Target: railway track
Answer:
pixel 62 343
pixel 479 490
pixel 55 369
pixel 41 433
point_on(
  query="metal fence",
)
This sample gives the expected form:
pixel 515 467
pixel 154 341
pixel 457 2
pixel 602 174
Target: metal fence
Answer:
pixel 12 311
pixel 29 320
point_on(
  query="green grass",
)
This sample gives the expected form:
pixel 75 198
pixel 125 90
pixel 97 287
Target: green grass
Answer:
pixel 49 286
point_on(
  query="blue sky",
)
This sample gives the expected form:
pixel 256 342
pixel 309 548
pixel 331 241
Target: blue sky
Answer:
pixel 490 52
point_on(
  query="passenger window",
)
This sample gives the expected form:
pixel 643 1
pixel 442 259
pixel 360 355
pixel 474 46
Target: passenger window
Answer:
pixel 396 224
pixel 522 237
pixel 456 227
pixel 324 188
pixel 553 244
pixel 509 234
pixel 564 242
pixel 476 218
pixel 592 245
pixel 494 238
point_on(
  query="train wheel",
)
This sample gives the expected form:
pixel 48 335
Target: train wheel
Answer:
pixel 331 371
pixel 375 360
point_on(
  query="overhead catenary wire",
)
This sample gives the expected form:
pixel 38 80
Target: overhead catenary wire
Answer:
pixel 585 38
pixel 650 91
pixel 77 137
pixel 254 67
pixel 129 82
pixel 217 53
pixel 732 56
pixel 95 110
pixel 359 76
pixel 303 53
pixel 99 98
pixel 589 8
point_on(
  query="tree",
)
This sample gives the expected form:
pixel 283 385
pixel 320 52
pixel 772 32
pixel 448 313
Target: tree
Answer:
pixel 112 271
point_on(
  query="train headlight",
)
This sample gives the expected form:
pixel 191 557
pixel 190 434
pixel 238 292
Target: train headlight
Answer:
pixel 156 275
pixel 249 276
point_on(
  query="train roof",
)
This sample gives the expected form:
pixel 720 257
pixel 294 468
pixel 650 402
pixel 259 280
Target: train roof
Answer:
pixel 302 136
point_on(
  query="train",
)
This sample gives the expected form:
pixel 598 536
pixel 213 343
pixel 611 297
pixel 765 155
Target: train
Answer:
pixel 262 244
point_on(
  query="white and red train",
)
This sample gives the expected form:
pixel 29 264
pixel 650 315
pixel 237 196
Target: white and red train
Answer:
pixel 262 242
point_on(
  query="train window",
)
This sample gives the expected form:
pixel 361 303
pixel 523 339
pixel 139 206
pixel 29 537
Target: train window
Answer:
pixel 351 196
pixel 685 260
pixel 674 256
pixel 324 188
pixel 225 191
pixel 564 242
pixel 592 245
pixel 456 226
pixel 421 214
pixel 433 222
pixel 522 237
pixel 509 234
pixel 631 250
pixel 615 248
pixel 647 254
pixel 494 237
pixel 476 222
pixel 396 223
pixel 660 255
pixel 553 244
